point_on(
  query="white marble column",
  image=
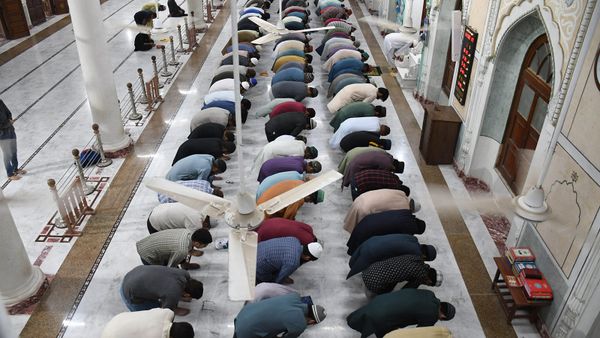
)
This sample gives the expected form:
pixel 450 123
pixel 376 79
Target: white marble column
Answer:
pixel 98 78
pixel 197 6
pixel 19 279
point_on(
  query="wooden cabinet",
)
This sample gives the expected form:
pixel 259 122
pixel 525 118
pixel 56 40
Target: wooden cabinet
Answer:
pixel 441 126
pixel 12 17
pixel 36 11
pixel 60 7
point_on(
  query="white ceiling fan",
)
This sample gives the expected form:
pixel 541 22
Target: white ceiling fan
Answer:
pixel 275 32
pixel 242 215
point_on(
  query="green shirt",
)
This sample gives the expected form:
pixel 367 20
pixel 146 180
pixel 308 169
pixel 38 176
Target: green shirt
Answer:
pixel 271 316
pixel 354 109
pixel 352 154
pixel 395 310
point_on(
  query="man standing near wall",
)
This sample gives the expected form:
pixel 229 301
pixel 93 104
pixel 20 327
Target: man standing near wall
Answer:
pixel 8 143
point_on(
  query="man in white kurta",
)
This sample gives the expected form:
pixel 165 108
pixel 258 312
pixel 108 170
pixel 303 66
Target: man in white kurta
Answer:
pixel 365 92
pixel 220 95
pixel 175 216
pixel 341 54
pixel 210 115
pixel 398 43
pixel 155 323
pixel 287 146
pixel 370 123
pixel 373 202
pixel 288 45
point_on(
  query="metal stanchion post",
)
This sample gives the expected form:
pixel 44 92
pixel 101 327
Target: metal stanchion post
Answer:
pixel 180 49
pixel 193 22
pixel 134 115
pixel 87 188
pixel 187 31
pixel 104 162
pixel 173 61
pixel 143 99
pixel 155 67
pixel 165 71
pixel 59 222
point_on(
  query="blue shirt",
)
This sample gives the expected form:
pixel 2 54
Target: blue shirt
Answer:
pixel 193 167
pixel 200 185
pixel 343 66
pixel 289 74
pixel 295 52
pixel 227 105
pixel 272 316
pixel 276 178
pixel 277 259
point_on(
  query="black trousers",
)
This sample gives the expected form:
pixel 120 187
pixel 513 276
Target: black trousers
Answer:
pixel 151 229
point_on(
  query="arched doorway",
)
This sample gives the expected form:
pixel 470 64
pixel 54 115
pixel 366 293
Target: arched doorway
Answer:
pixel 527 114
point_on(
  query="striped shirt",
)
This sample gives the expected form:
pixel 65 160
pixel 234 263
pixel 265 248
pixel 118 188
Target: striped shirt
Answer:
pixel 200 185
pixel 277 259
pixel 382 277
pixel 168 247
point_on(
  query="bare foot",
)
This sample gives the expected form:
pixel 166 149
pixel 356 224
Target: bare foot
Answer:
pixel 288 280
pixel 181 311
pixel 21 171
pixel 14 177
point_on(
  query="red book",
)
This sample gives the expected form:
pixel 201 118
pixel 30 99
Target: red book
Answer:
pixel 521 254
pixel 536 288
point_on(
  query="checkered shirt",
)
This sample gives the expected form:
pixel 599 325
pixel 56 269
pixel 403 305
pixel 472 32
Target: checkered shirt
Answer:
pixel 168 247
pixel 200 185
pixel 373 179
pixel 277 259
pixel 382 277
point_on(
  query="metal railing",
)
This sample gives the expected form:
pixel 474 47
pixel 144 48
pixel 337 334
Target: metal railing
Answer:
pixel 136 105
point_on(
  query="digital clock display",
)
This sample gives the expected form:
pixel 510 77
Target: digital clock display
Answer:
pixel 467 56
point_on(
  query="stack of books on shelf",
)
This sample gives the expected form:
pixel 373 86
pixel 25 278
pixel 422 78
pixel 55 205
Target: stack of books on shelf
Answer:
pixel 527 274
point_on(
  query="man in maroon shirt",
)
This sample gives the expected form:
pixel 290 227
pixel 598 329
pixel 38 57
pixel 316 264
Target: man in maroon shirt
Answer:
pixel 282 227
pixel 292 107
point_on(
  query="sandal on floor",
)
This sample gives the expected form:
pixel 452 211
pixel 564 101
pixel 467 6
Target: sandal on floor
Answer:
pixel 190 266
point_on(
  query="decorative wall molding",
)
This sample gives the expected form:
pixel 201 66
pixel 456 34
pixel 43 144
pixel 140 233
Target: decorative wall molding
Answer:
pixel 573 57
pixel 488 39
pixel 582 292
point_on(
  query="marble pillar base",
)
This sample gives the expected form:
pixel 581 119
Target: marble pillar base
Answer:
pixel 26 306
pixel 120 153
pixel 26 291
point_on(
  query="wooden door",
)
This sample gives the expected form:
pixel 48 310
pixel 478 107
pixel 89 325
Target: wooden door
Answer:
pixel 36 11
pixel 12 17
pixel 60 7
pixel 450 65
pixel 527 114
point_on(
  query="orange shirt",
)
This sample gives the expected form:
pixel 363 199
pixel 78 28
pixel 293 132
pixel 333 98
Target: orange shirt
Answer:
pixel 291 210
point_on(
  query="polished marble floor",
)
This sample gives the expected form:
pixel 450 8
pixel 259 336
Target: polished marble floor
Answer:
pixel 35 86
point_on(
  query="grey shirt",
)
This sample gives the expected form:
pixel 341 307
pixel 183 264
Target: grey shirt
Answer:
pixel 289 89
pixel 157 283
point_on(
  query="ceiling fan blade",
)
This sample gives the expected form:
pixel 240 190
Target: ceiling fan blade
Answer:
pixel 383 23
pixel 208 204
pixel 266 39
pixel 326 28
pixel 269 27
pixel 242 264
pixel 279 202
